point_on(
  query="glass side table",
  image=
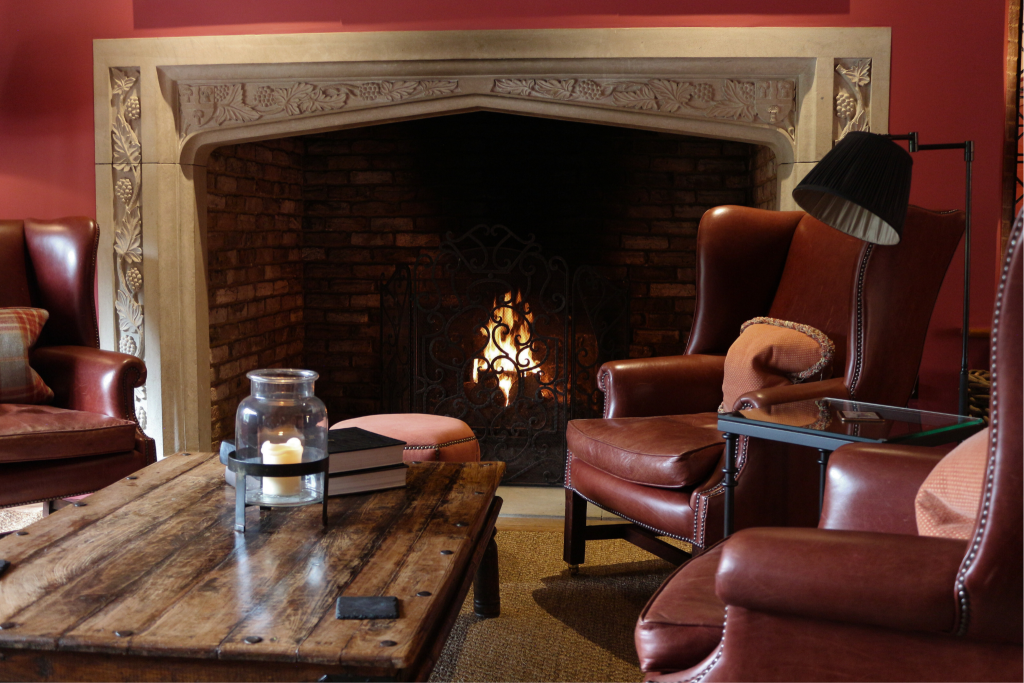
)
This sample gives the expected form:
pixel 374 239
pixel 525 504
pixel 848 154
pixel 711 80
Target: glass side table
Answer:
pixel 817 423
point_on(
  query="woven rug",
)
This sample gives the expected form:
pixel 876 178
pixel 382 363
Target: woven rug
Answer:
pixel 553 627
pixel 16 518
pixel 556 627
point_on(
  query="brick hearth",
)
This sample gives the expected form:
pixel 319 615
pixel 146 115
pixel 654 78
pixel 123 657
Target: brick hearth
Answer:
pixel 301 230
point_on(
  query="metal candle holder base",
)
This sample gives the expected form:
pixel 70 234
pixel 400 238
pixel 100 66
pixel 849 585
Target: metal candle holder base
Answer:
pixel 252 467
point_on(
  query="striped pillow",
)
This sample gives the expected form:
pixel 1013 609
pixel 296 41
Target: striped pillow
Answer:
pixel 19 330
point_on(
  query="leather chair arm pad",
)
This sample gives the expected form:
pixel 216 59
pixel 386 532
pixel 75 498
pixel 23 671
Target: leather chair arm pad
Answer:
pixel 91 380
pixel 669 385
pixel 770 396
pixel 888 580
pixel 871 487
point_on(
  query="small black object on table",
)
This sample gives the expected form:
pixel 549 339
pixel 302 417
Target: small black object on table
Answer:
pixel 819 423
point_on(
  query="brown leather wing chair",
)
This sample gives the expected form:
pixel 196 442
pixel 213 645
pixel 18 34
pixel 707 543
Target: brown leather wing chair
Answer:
pixel 656 457
pixel 88 437
pixel 864 597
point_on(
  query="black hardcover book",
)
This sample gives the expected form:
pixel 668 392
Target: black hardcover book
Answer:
pixel 352 448
pixel 355 439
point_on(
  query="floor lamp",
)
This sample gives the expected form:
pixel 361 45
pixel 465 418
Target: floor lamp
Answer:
pixel 862 187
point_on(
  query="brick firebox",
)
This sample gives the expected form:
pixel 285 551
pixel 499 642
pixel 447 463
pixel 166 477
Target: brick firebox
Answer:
pixel 300 231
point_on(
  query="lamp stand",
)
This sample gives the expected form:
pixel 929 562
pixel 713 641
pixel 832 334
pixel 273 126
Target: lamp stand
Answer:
pixel 968 148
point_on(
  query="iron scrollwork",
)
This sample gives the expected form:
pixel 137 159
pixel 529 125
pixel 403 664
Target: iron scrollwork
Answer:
pixel 482 330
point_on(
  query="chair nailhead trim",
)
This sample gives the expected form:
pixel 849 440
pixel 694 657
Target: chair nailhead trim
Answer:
pixel 439 445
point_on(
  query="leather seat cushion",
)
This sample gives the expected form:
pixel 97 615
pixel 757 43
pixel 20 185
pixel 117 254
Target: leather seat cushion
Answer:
pixel 31 432
pixel 670 451
pixel 427 437
pixel 682 624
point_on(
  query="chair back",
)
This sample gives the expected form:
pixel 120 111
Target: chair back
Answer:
pixel 892 303
pixel 817 282
pixel 52 265
pixel 989 589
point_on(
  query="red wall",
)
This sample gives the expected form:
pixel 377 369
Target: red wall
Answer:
pixel 947 83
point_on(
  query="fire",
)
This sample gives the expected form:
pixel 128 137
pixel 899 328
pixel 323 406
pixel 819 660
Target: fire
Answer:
pixel 507 352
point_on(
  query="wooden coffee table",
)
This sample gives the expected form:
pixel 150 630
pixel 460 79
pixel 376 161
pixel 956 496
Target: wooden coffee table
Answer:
pixel 148 581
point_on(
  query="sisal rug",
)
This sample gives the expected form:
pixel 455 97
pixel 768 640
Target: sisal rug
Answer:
pixel 556 627
pixel 553 627
pixel 12 519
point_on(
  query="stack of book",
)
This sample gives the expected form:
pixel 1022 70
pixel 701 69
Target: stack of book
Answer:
pixel 361 461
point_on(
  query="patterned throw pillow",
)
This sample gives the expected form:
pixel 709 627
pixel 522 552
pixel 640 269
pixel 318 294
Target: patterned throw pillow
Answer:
pixel 19 330
pixel 771 353
pixel 948 501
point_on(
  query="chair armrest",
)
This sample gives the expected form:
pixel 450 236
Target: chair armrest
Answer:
pixel 91 380
pixel 888 580
pixel 787 393
pixel 669 385
pixel 871 487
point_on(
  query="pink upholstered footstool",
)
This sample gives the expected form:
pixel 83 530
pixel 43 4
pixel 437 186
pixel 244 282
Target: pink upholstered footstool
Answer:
pixel 427 437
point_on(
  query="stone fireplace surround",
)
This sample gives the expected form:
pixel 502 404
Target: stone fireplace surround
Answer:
pixel 162 104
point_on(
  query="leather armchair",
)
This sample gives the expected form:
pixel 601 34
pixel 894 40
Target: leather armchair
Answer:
pixel 656 456
pixel 88 437
pixel 864 597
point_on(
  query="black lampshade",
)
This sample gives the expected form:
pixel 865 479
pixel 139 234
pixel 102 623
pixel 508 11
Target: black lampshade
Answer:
pixel 861 187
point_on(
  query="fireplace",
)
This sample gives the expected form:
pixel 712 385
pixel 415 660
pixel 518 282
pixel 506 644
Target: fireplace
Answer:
pixel 164 104
pixel 480 266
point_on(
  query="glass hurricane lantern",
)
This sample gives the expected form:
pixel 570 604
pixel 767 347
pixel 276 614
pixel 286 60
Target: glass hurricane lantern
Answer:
pixel 281 457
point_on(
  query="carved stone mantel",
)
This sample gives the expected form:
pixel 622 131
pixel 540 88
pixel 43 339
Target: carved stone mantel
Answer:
pixel 779 87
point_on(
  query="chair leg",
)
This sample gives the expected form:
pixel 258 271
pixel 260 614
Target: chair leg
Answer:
pixel 574 552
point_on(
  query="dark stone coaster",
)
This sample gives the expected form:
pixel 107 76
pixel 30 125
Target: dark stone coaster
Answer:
pixel 366 608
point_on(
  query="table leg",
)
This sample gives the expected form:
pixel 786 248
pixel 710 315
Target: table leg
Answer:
pixel 822 470
pixel 486 594
pixel 729 482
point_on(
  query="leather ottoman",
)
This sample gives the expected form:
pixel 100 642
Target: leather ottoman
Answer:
pixel 427 437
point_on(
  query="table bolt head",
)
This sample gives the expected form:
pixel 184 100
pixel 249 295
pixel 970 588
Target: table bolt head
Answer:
pixel 7 625
pixel 21 533
pixel 251 640
pixel 460 524
pixel 123 634
pixel 388 643
pixel 131 478
pixel 478 493
pixel 186 453
pixel 424 594
pixel 446 552
pixel 79 504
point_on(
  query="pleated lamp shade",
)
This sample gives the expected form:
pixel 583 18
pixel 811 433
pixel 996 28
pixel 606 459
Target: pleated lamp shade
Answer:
pixel 861 187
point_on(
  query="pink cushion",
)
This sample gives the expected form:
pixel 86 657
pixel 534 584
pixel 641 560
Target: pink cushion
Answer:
pixel 19 330
pixel 427 437
pixel 772 352
pixel 29 432
pixel 947 502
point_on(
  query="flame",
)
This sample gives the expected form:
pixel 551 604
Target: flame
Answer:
pixel 507 352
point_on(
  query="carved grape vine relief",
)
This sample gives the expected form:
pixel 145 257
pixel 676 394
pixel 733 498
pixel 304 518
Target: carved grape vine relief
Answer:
pixel 215 105
pixel 126 167
pixel 765 101
pixel 852 97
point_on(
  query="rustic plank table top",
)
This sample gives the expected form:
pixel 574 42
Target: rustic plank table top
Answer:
pixel 149 581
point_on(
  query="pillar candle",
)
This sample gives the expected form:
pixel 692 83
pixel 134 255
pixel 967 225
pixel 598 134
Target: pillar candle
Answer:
pixel 286 453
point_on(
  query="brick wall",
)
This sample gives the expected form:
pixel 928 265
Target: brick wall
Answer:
pixel 626 200
pixel 765 185
pixel 254 223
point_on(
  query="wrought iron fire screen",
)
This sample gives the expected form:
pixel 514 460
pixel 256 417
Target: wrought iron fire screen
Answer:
pixel 491 330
